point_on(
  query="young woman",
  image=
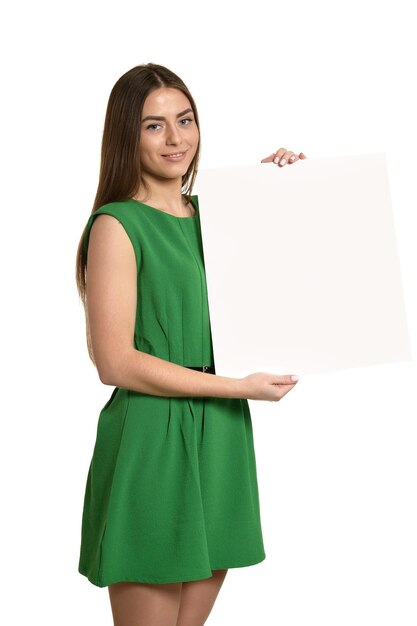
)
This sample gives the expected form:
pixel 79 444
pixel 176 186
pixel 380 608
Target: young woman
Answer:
pixel 171 499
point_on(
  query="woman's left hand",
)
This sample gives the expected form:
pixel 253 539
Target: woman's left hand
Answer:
pixel 283 156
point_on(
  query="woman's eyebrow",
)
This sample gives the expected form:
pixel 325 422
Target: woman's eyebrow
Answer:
pixel 160 117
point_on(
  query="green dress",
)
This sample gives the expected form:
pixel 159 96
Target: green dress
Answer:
pixel 171 492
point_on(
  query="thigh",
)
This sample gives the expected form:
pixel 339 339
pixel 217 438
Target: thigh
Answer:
pixel 145 604
pixel 198 598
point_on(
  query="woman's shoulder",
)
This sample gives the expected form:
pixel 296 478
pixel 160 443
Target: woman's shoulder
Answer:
pixel 121 210
pixel 119 206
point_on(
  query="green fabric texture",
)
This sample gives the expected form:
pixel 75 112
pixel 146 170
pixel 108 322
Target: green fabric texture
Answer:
pixel 171 492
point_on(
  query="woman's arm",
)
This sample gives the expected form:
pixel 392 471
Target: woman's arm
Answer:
pixel 111 305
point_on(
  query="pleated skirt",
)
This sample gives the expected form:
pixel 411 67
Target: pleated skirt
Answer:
pixel 171 492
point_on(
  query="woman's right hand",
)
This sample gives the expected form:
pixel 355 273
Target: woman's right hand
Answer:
pixel 265 386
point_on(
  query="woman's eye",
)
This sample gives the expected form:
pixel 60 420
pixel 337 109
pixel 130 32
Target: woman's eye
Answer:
pixel 186 119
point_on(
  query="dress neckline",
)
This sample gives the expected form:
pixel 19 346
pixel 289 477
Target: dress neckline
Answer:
pixel 176 217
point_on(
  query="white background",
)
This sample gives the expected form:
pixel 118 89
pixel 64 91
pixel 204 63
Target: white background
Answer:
pixel 336 458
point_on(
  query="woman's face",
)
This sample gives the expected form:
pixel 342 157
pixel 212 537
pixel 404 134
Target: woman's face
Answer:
pixel 175 131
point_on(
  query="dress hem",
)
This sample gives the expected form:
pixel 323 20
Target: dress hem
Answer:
pixel 199 576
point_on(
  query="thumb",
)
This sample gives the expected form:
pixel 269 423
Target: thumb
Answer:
pixel 289 379
pixel 269 158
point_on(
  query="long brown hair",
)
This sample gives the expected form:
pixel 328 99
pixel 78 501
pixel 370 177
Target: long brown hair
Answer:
pixel 120 170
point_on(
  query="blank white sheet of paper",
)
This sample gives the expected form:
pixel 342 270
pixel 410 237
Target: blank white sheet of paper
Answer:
pixel 302 268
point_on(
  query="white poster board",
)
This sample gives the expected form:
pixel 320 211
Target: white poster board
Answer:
pixel 302 268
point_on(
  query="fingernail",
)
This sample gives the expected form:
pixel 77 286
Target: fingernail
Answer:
pixel 276 159
pixel 283 161
pixel 292 158
pixel 294 377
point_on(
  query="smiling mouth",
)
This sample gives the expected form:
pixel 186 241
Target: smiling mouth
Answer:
pixel 174 154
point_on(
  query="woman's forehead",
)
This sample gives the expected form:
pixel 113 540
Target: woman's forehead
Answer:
pixel 165 98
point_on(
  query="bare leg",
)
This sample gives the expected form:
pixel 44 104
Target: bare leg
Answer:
pixel 145 604
pixel 198 597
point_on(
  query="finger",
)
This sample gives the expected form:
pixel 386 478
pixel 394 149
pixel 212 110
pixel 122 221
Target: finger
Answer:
pixel 293 158
pixel 288 154
pixel 279 154
pixel 282 393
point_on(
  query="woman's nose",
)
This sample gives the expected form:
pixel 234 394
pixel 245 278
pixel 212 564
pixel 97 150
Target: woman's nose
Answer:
pixel 173 134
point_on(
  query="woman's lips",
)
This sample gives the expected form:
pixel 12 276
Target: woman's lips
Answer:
pixel 169 157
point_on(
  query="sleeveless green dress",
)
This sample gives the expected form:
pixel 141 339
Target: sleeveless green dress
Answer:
pixel 171 492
